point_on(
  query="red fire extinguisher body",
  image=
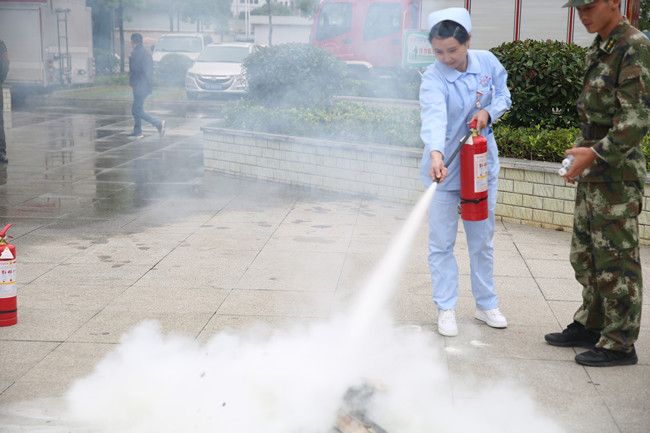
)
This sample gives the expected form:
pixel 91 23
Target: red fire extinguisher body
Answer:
pixel 8 305
pixel 474 179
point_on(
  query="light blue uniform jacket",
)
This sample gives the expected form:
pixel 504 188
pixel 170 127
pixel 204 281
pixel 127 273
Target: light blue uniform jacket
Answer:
pixel 448 101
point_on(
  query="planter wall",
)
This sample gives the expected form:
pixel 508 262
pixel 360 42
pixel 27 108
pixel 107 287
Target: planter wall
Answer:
pixel 529 192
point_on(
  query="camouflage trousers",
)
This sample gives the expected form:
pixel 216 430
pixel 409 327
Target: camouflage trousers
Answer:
pixel 605 258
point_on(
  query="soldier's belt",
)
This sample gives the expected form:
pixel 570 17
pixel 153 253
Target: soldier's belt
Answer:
pixel 594 132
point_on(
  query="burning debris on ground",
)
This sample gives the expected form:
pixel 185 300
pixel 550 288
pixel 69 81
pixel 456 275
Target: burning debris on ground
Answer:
pixel 353 417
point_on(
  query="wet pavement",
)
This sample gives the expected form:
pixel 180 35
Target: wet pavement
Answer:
pixel 111 231
pixel 75 162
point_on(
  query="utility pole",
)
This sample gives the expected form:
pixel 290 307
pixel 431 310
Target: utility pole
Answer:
pixel 120 23
pixel 268 3
pixel 247 19
pixel 171 15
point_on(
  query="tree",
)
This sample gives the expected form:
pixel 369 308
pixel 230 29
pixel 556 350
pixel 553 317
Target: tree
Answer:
pixel 270 9
pixel 204 12
pixel 307 8
pixel 118 7
pixel 277 9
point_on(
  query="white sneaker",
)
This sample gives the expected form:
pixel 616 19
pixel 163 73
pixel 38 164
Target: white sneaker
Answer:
pixel 447 323
pixel 493 318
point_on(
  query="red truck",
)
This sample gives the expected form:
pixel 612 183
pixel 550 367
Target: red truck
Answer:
pixel 384 34
pixel 365 33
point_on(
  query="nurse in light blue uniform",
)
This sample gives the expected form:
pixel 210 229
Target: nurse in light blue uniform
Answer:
pixel 461 86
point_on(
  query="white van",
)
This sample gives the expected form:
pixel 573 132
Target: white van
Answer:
pixel 187 44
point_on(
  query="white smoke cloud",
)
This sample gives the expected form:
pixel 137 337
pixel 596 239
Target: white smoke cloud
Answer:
pixel 291 382
pixel 296 380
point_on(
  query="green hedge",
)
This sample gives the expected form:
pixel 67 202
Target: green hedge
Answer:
pixel 342 121
pixel 112 80
pixel 391 125
pixel 535 144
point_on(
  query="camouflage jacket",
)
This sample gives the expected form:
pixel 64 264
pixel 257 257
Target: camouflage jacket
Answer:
pixel 616 95
pixel 4 62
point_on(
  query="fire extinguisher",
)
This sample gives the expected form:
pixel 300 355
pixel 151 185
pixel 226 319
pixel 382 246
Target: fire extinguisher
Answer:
pixel 8 306
pixel 474 177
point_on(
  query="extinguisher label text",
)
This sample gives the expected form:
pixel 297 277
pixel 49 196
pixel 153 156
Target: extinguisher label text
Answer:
pixel 7 278
pixel 481 172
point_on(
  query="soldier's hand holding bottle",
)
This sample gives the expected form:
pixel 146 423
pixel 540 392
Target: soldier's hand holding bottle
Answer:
pixel 582 158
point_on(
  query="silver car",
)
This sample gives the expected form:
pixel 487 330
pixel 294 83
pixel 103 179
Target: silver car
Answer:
pixel 218 69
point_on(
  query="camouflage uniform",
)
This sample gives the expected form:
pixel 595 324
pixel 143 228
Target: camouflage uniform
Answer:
pixel 4 70
pixel 615 108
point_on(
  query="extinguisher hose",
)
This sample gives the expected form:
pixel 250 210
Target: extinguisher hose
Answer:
pixel 3 233
pixel 453 155
pixel 472 200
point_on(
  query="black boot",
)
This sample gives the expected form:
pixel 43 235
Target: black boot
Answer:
pixel 574 335
pixel 597 357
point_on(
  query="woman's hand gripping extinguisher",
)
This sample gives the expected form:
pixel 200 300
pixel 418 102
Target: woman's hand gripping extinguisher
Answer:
pixel 474 177
pixel 8 307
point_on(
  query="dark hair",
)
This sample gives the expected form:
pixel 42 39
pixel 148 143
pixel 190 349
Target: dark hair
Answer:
pixel 137 38
pixel 449 29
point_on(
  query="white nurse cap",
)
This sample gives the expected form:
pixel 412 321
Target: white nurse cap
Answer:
pixel 458 15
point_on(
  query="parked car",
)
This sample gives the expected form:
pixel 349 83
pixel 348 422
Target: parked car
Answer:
pixel 189 45
pixel 218 69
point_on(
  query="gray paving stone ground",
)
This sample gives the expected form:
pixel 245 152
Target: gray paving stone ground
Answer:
pixel 112 231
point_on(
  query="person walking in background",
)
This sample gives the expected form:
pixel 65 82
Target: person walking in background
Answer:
pixel 462 86
pixel 141 80
pixel 4 70
pixel 610 169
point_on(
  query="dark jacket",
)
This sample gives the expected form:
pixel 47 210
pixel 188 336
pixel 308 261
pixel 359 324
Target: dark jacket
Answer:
pixel 141 70
pixel 4 63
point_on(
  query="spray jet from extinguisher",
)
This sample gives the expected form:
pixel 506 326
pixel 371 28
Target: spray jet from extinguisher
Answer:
pixel 473 175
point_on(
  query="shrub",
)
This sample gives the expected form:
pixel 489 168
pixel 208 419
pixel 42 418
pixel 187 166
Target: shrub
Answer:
pixel 171 70
pixel 545 80
pixel 293 75
pixel 113 80
pixel 106 63
pixel 342 121
pixel 395 83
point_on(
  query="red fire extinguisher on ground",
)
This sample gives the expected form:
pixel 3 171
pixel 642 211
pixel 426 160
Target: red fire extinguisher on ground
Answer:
pixel 474 177
pixel 8 306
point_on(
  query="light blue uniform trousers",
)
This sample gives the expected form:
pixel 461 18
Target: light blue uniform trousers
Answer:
pixel 443 229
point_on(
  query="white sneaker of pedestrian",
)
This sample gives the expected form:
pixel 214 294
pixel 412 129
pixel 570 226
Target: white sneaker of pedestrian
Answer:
pixel 493 318
pixel 447 323
pixel 163 124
